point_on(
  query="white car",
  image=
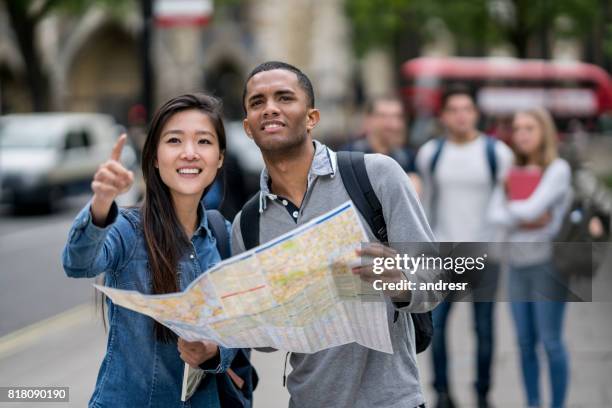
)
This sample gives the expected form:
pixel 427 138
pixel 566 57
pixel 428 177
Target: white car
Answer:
pixel 45 157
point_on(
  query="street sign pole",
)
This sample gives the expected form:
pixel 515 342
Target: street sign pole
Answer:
pixel 147 91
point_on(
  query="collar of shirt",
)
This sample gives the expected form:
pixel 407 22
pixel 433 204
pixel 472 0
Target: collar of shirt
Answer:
pixel 323 164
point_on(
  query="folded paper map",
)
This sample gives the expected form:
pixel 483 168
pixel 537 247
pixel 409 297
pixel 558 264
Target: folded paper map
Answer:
pixel 296 293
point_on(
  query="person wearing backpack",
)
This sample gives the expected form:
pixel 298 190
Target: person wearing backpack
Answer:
pixel 537 291
pixel 459 172
pixel 159 247
pixel 301 181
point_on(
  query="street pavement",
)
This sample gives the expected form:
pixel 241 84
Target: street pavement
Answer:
pixel 33 285
pixel 52 335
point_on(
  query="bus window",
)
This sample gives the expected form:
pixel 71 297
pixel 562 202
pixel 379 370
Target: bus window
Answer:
pixel 502 86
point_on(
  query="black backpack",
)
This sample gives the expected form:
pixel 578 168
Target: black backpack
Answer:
pixel 489 151
pixel 574 254
pixel 357 184
pixel 229 395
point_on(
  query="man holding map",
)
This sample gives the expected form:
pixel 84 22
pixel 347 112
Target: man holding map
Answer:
pixel 300 182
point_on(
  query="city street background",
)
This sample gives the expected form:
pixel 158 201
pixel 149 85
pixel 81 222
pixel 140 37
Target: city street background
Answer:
pixel 52 335
pixel 120 59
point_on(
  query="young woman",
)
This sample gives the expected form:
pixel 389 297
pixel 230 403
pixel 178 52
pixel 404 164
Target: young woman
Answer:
pixel 157 248
pixel 536 290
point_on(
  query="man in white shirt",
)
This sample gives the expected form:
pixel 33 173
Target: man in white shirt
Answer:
pixel 459 173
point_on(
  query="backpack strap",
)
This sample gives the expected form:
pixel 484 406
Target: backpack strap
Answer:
pixel 491 158
pixel 359 188
pixel 249 222
pixel 489 151
pixel 241 366
pixel 436 156
pixel 357 184
pixel 216 222
pixel 440 141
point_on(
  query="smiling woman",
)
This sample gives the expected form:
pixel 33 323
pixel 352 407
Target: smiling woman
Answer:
pixel 189 154
pixel 144 248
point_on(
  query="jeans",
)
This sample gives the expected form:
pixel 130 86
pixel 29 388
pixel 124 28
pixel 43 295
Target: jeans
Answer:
pixel 483 289
pixel 483 322
pixel 535 322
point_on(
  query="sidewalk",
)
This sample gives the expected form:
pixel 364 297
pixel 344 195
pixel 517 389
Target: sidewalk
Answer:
pixel 588 336
pixel 67 349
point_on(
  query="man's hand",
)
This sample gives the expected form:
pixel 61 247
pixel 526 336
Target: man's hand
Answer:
pixel 366 272
pixel 197 352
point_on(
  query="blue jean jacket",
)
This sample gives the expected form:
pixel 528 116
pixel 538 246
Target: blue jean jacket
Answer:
pixel 138 370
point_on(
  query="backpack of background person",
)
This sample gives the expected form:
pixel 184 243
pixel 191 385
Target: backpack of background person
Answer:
pixel 230 395
pixel 357 184
pixel 491 162
pixel 574 255
pixel 489 152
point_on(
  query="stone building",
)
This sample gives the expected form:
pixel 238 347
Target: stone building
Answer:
pixel 93 61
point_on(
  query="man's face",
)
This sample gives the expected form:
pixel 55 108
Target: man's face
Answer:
pixel 277 114
pixel 387 123
pixel 459 115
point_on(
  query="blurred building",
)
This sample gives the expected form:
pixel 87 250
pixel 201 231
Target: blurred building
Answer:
pixel 93 61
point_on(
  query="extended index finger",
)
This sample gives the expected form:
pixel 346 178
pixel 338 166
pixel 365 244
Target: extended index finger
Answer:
pixel 116 153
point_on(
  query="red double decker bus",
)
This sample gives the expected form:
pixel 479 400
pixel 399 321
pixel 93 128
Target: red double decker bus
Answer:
pixel 574 92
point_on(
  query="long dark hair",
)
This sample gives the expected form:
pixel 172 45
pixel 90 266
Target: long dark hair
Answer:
pixel 165 240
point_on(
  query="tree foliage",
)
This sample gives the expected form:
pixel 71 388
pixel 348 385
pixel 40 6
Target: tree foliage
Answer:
pixel 376 22
pixel 476 25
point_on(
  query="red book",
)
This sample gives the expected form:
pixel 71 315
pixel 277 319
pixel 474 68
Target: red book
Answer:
pixel 522 182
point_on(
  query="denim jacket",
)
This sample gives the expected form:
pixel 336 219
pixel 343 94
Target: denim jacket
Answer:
pixel 138 370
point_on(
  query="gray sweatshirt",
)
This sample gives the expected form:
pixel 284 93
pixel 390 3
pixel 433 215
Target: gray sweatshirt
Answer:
pixel 351 375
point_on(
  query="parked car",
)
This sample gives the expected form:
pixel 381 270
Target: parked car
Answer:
pixel 46 157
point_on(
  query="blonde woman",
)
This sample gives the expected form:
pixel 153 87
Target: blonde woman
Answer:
pixel 536 290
